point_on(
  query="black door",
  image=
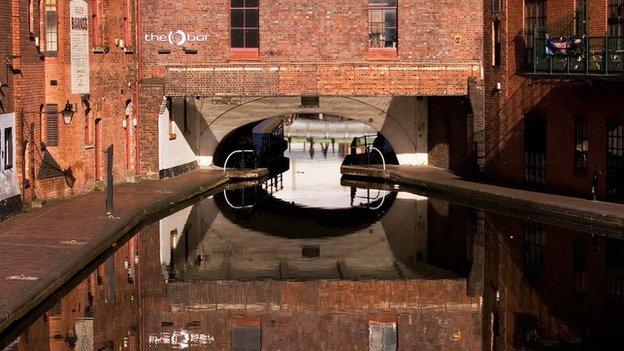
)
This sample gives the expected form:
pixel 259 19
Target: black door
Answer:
pixel 615 160
pixel 535 149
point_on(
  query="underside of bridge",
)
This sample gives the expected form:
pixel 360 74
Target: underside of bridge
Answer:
pixel 191 128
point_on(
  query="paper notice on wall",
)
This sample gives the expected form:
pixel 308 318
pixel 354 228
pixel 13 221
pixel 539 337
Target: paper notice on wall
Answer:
pixel 79 46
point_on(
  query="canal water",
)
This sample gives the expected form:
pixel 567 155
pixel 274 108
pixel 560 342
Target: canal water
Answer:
pixel 304 261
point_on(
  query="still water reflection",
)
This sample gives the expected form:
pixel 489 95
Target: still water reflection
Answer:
pixel 301 263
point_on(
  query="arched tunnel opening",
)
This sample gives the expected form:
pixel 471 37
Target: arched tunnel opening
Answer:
pixel 269 143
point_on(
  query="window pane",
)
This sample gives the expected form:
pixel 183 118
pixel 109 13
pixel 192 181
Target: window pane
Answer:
pixel 391 37
pixel 238 19
pixel 238 38
pixel 251 18
pixel 251 3
pixel 8 148
pixel 238 3
pixel 251 38
pixel 390 18
pixel 246 338
pixel 390 337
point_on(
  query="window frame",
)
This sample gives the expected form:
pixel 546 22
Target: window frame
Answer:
pixel 496 43
pixel 533 20
pixel 51 37
pixel 52 115
pixel 382 52
pixel 615 24
pixel 244 53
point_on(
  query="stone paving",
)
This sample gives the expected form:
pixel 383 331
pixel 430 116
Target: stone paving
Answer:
pixel 598 217
pixel 42 249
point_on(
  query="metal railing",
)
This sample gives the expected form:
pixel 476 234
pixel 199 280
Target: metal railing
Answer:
pixel 584 55
pixel 366 142
pixel 233 153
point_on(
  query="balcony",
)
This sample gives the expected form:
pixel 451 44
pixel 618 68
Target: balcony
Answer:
pixel 599 58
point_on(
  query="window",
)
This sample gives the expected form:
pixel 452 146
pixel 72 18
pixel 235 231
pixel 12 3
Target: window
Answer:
pixel 581 17
pixel 614 266
pixel 496 43
pixel 33 15
pixel 579 268
pixel 534 249
pixel 185 115
pixel 8 148
pixel 581 145
pixel 535 145
pixel 52 133
pixel 616 18
pixel 382 23
pixel 496 6
pixel 382 336
pixel 534 23
pixel 246 338
pixel 245 24
pixel 51 22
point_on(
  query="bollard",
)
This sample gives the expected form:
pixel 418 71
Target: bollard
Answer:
pixel 109 181
pixel 595 185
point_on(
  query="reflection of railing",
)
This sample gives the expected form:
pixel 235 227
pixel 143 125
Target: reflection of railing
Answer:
pixel 368 198
pixel 366 142
pixel 233 153
pixel 237 207
pixel 579 55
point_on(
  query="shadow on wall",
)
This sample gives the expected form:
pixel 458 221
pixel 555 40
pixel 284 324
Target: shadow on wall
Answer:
pixel 448 145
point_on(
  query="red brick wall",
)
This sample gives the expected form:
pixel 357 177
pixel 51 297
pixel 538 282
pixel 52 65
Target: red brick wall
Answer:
pixel 6 77
pixel 448 134
pixel 561 102
pixel 320 47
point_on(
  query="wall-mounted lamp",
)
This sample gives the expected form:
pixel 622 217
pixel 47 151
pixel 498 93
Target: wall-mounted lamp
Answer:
pixel 68 113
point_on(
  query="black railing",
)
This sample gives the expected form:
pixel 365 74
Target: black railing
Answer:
pixel 579 55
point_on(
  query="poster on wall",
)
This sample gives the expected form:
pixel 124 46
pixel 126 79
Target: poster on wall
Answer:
pixel 79 46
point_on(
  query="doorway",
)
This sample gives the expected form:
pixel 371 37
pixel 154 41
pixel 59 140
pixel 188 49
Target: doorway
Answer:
pixel 535 141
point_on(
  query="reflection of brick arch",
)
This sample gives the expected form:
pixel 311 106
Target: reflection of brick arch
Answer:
pixel 399 119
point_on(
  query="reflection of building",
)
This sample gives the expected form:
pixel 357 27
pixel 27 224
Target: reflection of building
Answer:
pixel 546 284
pixel 395 286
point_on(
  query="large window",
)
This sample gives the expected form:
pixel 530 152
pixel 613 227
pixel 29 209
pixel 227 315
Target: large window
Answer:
pixel 614 271
pixel 51 26
pixel 246 338
pixel 534 249
pixel 382 23
pixel 579 268
pixel 616 18
pixel 534 22
pixel 496 43
pixel 581 145
pixel 245 23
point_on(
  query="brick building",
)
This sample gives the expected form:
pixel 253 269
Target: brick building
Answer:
pixel 553 71
pixel 67 95
pixel 401 67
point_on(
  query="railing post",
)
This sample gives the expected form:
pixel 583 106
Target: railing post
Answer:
pixel 606 55
pixel 586 52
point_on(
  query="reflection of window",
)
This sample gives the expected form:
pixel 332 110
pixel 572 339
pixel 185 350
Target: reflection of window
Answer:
pixel 579 268
pixel 614 266
pixel 581 145
pixel 246 338
pixel 534 249
pixel 51 21
pixel 8 148
pixel 382 21
pixel 245 23
pixel 382 336
pixel 534 19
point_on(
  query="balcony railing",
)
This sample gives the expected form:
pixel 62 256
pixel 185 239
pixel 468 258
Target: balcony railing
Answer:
pixel 597 56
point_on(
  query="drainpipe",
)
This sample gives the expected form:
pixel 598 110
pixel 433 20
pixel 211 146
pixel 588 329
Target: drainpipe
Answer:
pixel 137 84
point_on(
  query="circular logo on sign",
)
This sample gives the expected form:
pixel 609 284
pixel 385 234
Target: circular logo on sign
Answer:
pixel 178 37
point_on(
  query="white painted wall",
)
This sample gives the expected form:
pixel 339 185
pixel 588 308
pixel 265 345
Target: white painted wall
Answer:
pixel 421 156
pixel 184 148
pixel 9 186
